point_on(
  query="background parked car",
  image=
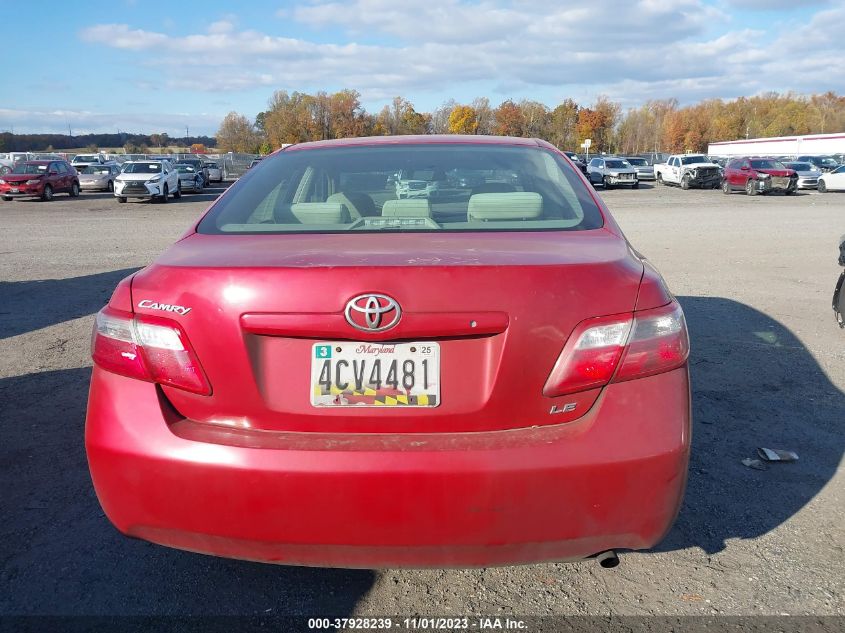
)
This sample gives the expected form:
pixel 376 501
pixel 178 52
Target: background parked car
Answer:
pixel 644 170
pixel 833 181
pixel 655 157
pixel 10 159
pixel 580 164
pixel 824 163
pixel 689 170
pixel 419 183
pixel 99 177
pixel 215 174
pixel 759 175
pixel 81 161
pixel 189 178
pixel 152 179
pixel 199 166
pixel 808 174
pixel 611 172
pixel 39 179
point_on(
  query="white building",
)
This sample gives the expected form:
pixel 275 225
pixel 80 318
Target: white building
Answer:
pixel 814 144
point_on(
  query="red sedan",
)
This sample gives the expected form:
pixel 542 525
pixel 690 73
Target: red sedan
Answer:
pixel 40 179
pixel 322 373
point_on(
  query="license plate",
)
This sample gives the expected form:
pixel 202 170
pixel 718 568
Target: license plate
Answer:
pixel 14 190
pixel 348 374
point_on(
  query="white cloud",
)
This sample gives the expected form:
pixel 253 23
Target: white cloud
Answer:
pixel 637 50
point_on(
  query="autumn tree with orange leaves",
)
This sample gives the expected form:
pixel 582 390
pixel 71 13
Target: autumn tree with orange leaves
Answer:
pixel 658 125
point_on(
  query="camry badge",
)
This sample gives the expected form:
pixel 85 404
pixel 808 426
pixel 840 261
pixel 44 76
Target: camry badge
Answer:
pixel 372 312
pixel 164 307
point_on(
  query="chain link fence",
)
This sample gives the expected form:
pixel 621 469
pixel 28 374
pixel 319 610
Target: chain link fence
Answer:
pixel 234 165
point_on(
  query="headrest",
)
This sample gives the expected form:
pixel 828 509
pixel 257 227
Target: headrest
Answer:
pixel 518 205
pixel 407 208
pixel 320 213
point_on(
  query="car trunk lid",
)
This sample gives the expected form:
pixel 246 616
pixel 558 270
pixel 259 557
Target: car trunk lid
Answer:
pixel 499 307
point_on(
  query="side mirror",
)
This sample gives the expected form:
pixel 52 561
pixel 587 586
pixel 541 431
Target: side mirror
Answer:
pixel 53 172
pixel 744 168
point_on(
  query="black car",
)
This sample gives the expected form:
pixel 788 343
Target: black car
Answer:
pixel 838 304
pixel 578 162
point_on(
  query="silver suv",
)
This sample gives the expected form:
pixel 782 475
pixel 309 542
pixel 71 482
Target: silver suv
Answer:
pixel 610 172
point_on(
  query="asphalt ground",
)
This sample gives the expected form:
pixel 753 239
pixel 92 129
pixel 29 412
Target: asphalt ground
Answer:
pixel 755 276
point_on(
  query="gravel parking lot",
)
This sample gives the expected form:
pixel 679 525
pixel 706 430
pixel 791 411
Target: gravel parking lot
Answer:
pixel 755 276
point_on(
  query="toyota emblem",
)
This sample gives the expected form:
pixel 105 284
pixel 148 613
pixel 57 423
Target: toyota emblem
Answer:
pixel 373 313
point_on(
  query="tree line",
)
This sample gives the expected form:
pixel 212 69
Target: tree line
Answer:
pixel 657 125
pixel 131 143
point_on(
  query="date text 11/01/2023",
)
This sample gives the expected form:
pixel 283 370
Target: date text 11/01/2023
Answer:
pixel 479 623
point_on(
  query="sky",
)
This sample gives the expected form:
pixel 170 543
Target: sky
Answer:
pixel 145 66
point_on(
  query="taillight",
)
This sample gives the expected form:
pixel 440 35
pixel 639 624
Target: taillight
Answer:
pixel 620 348
pixel 148 348
pixel 659 342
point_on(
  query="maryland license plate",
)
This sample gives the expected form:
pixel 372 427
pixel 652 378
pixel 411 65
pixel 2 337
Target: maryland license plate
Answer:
pixel 348 374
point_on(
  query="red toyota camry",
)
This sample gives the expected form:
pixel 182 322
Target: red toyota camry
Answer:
pixel 397 351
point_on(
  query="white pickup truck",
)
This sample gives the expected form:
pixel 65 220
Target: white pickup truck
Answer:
pixel 689 170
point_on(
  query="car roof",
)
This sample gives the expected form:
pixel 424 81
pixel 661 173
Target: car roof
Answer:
pixel 42 161
pixel 416 139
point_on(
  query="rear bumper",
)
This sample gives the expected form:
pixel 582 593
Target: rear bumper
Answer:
pixel 614 479
pixel 93 186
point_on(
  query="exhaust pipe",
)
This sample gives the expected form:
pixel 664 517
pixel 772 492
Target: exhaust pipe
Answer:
pixel 608 559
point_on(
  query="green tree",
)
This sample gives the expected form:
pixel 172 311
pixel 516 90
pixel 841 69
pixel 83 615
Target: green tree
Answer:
pixel 563 126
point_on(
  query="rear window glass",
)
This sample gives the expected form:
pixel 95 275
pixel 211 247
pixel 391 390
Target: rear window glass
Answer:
pixel 446 187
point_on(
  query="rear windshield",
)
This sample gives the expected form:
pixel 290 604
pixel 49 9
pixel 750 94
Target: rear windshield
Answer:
pixel 85 158
pixel 446 187
pixel 639 162
pixel 800 166
pixel 97 169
